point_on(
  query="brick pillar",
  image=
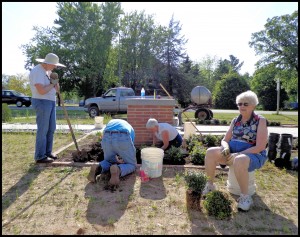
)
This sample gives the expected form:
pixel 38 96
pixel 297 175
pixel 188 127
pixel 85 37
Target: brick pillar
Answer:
pixel 140 110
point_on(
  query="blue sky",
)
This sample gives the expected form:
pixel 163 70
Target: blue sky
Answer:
pixel 214 29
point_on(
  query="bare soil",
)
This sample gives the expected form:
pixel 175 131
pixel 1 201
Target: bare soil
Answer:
pixel 92 146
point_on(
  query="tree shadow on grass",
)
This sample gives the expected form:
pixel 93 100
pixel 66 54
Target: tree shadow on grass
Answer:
pixel 105 206
pixel 22 186
pixel 259 220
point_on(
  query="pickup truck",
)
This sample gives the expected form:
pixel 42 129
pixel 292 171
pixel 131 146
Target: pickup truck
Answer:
pixel 112 101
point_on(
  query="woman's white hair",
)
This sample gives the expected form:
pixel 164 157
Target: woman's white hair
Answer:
pixel 247 96
pixel 152 122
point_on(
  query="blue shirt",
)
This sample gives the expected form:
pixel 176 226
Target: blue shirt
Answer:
pixel 120 125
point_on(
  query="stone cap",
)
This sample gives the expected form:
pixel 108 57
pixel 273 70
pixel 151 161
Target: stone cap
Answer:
pixel 151 101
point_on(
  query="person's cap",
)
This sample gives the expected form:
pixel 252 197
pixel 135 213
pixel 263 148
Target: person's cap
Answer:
pixel 51 58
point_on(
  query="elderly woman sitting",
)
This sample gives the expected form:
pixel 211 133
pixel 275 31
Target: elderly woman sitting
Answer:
pixel 164 132
pixel 244 147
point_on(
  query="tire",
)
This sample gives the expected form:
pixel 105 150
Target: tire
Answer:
pixel 27 105
pixel 211 114
pixel 202 114
pixel 19 103
pixel 94 111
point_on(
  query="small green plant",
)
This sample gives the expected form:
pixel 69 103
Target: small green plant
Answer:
pixel 210 140
pixel 224 122
pixel 199 121
pixel 195 181
pixel 175 155
pixel 198 155
pixel 218 204
pixel 273 123
pixel 207 121
pixel 192 141
pixel 6 113
pixel 216 121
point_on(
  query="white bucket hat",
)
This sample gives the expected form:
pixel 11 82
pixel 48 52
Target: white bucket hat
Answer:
pixel 51 58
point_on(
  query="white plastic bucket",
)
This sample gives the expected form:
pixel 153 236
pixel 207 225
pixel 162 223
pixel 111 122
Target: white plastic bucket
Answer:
pixel 152 161
pixel 98 122
pixel 189 129
pixel 233 185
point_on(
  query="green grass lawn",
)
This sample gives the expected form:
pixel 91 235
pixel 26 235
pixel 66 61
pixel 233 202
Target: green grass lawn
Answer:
pixel 81 117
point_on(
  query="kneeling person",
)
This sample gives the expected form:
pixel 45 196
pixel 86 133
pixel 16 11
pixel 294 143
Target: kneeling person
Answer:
pixel 118 140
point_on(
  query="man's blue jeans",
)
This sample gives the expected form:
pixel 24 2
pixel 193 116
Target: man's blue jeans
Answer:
pixel 46 125
pixel 121 144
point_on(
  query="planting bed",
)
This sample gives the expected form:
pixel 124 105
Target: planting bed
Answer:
pixel 92 146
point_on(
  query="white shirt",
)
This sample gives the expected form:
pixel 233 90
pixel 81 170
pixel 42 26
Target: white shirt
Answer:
pixel 38 75
pixel 166 127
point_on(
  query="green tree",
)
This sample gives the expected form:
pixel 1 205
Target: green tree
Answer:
pixel 264 84
pixel 226 90
pixel 136 43
pixel 278 43
pixel 207 68
pixel 173 51
pixel 82 39
pixel 19 83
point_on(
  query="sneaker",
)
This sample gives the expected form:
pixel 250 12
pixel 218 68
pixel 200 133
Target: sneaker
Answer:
pixel 53 157
pixel 44 160
pixel 208 188
pixel 94 171
pixel 245 201
pixel 115 175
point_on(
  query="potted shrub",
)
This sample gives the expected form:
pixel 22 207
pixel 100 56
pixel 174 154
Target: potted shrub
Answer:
pixel 218 204
pixel 195 181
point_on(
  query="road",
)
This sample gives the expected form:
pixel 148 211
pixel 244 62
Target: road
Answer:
pixel 213 110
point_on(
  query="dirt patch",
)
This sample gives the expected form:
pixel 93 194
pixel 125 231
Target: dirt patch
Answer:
pixel 92 145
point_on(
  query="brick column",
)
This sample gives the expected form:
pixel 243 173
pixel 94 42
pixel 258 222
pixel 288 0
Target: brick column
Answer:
pixel 140 110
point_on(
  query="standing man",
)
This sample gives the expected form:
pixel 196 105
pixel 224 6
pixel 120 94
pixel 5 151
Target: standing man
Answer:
pixel 118 140
pixel 43 101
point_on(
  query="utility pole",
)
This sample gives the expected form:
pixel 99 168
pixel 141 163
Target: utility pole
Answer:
pixel 278 95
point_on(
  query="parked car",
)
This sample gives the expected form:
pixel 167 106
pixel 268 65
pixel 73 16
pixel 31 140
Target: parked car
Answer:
pixel 15 97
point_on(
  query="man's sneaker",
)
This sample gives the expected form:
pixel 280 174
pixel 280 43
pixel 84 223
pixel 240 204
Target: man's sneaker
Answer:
pixel 94 171
pixel 115 175
pixel 245 201
pixel 208 188
pixel 44 160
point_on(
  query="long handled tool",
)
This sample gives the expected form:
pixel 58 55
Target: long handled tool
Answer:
pixel 182 112
pixel 79 154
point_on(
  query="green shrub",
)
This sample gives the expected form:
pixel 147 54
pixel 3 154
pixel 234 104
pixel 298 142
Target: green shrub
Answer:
pixel 192 141
pixel 195 180
pixel 273 123
pixel 174 155
pixel 199 121
pixel 216 121
pixel 6 113
pixel 207 121
pixel 224 122
pixel 218 204
pixel 210 140
pixel 198 155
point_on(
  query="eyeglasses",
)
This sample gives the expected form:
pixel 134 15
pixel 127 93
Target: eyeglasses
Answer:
pixel 240 104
